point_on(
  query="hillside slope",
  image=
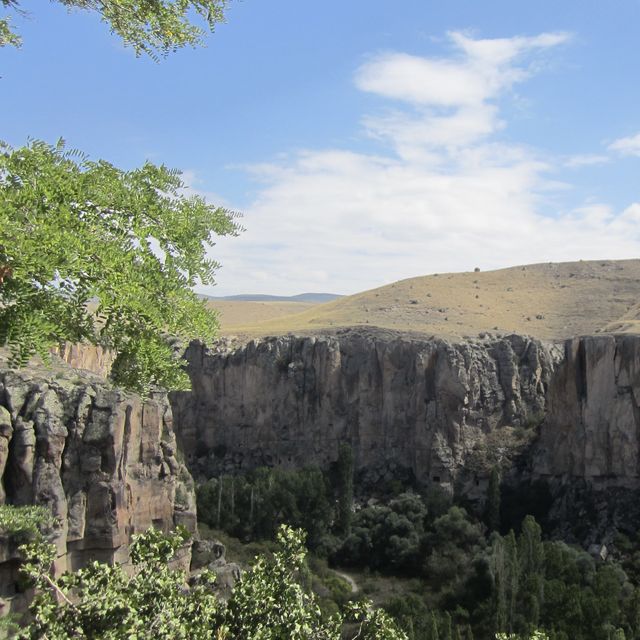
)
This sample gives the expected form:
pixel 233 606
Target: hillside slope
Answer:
pixel 548 301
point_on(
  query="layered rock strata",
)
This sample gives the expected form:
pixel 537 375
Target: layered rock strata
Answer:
pixel 409 406
pixel 103 461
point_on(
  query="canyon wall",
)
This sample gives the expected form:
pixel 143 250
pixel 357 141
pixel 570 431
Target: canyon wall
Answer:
pixel 104 462
pixel 561 420
pixel 410 407
pixel 592 426
pixel 413 408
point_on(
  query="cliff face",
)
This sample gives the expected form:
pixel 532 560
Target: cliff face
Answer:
pixel 592 428
pixel 411 407
pixel 103 461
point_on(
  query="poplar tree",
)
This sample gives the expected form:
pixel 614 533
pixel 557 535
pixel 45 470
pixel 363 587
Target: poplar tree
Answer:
pixel 345 488
pixel 531 560
pixel 493 500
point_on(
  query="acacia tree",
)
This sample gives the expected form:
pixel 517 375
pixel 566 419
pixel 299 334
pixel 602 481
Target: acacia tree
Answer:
pixel 89 252
pixel 149 26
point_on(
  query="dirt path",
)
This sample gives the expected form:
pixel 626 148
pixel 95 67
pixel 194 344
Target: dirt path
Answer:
pixel 352 583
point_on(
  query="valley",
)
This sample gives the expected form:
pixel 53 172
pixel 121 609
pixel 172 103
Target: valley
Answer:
pixel 407 456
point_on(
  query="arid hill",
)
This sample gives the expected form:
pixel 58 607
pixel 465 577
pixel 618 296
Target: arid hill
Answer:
pixel 236 313
pixel 548 301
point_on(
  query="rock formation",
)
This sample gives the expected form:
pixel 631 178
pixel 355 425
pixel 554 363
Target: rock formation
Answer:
pixel 588 450
pixel 408 405
pixel 105 462
pixel 211 555
pixel 592 427
pixel 412 407
pixel 432 411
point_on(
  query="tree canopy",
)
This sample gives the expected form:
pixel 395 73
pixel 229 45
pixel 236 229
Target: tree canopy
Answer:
pixel 102 601
pixel 149 26
pixel 89 252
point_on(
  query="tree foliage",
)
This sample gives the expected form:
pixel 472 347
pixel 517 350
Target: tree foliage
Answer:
pixel 149 26
pixel 254 506
pixel 89 252
pixel 344 472
pixel 268 603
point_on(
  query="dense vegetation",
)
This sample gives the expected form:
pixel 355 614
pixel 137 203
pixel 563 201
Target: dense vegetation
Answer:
pixel 104 602
pixel 464 579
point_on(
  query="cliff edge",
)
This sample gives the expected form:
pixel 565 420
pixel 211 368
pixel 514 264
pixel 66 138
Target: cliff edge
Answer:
pixel 105 463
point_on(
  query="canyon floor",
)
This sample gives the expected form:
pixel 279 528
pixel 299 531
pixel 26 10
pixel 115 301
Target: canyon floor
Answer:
pixel 550 301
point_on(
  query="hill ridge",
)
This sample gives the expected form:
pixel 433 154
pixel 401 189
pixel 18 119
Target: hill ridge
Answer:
pixel 551 301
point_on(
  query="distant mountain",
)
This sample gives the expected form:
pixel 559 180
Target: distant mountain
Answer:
pixel 301 297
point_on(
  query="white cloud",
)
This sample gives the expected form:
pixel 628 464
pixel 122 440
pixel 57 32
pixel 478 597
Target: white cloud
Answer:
pixel 586 160
pixel 485 68
pixel 446 196
pixel 453 98
pixel 627 146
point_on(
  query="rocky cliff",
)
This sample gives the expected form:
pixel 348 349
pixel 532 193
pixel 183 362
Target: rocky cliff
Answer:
pixel 105 462
pixel 587 454
pixel 564 415
pixel 592 427
pixel 409 406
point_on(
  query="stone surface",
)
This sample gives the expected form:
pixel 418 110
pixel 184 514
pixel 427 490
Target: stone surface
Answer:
pixel 103 461
pixel 211 555
pixel 592 428
pixel 410 407
pixel 427 409
pixel 86 356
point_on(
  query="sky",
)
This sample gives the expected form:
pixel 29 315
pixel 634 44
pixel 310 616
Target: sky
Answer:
pixel 364 141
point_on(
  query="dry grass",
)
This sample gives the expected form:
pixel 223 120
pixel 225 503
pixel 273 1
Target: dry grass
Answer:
pixel 549 301
pixel 234 313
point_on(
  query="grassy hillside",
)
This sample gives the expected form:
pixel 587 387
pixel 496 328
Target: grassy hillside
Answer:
pixel 549 301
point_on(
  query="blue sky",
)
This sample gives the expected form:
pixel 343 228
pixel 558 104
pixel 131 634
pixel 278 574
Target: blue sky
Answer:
pixel 364 141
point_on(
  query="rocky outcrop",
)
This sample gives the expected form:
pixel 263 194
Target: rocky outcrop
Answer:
pixel 592 427
pixel 409 406
pixel 587 454
pixel 211 555
pixel 103 461
pixel 87 357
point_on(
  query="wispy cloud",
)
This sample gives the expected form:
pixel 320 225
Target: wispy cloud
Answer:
pixel 627 146
pixel 586 160
pixel 446 194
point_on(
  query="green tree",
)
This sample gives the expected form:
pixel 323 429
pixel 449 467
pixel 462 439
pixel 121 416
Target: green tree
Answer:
pixel 149 26
pixel 432 628
pixel 344 470
pixel 102 601
pixel 74 232
pixel 531 558
pixel 89 252
pixel 492 510
pixel 453 544
pixel 500 606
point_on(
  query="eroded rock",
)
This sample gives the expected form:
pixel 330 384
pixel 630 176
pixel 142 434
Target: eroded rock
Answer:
pixel 411 406
pixel 102 460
